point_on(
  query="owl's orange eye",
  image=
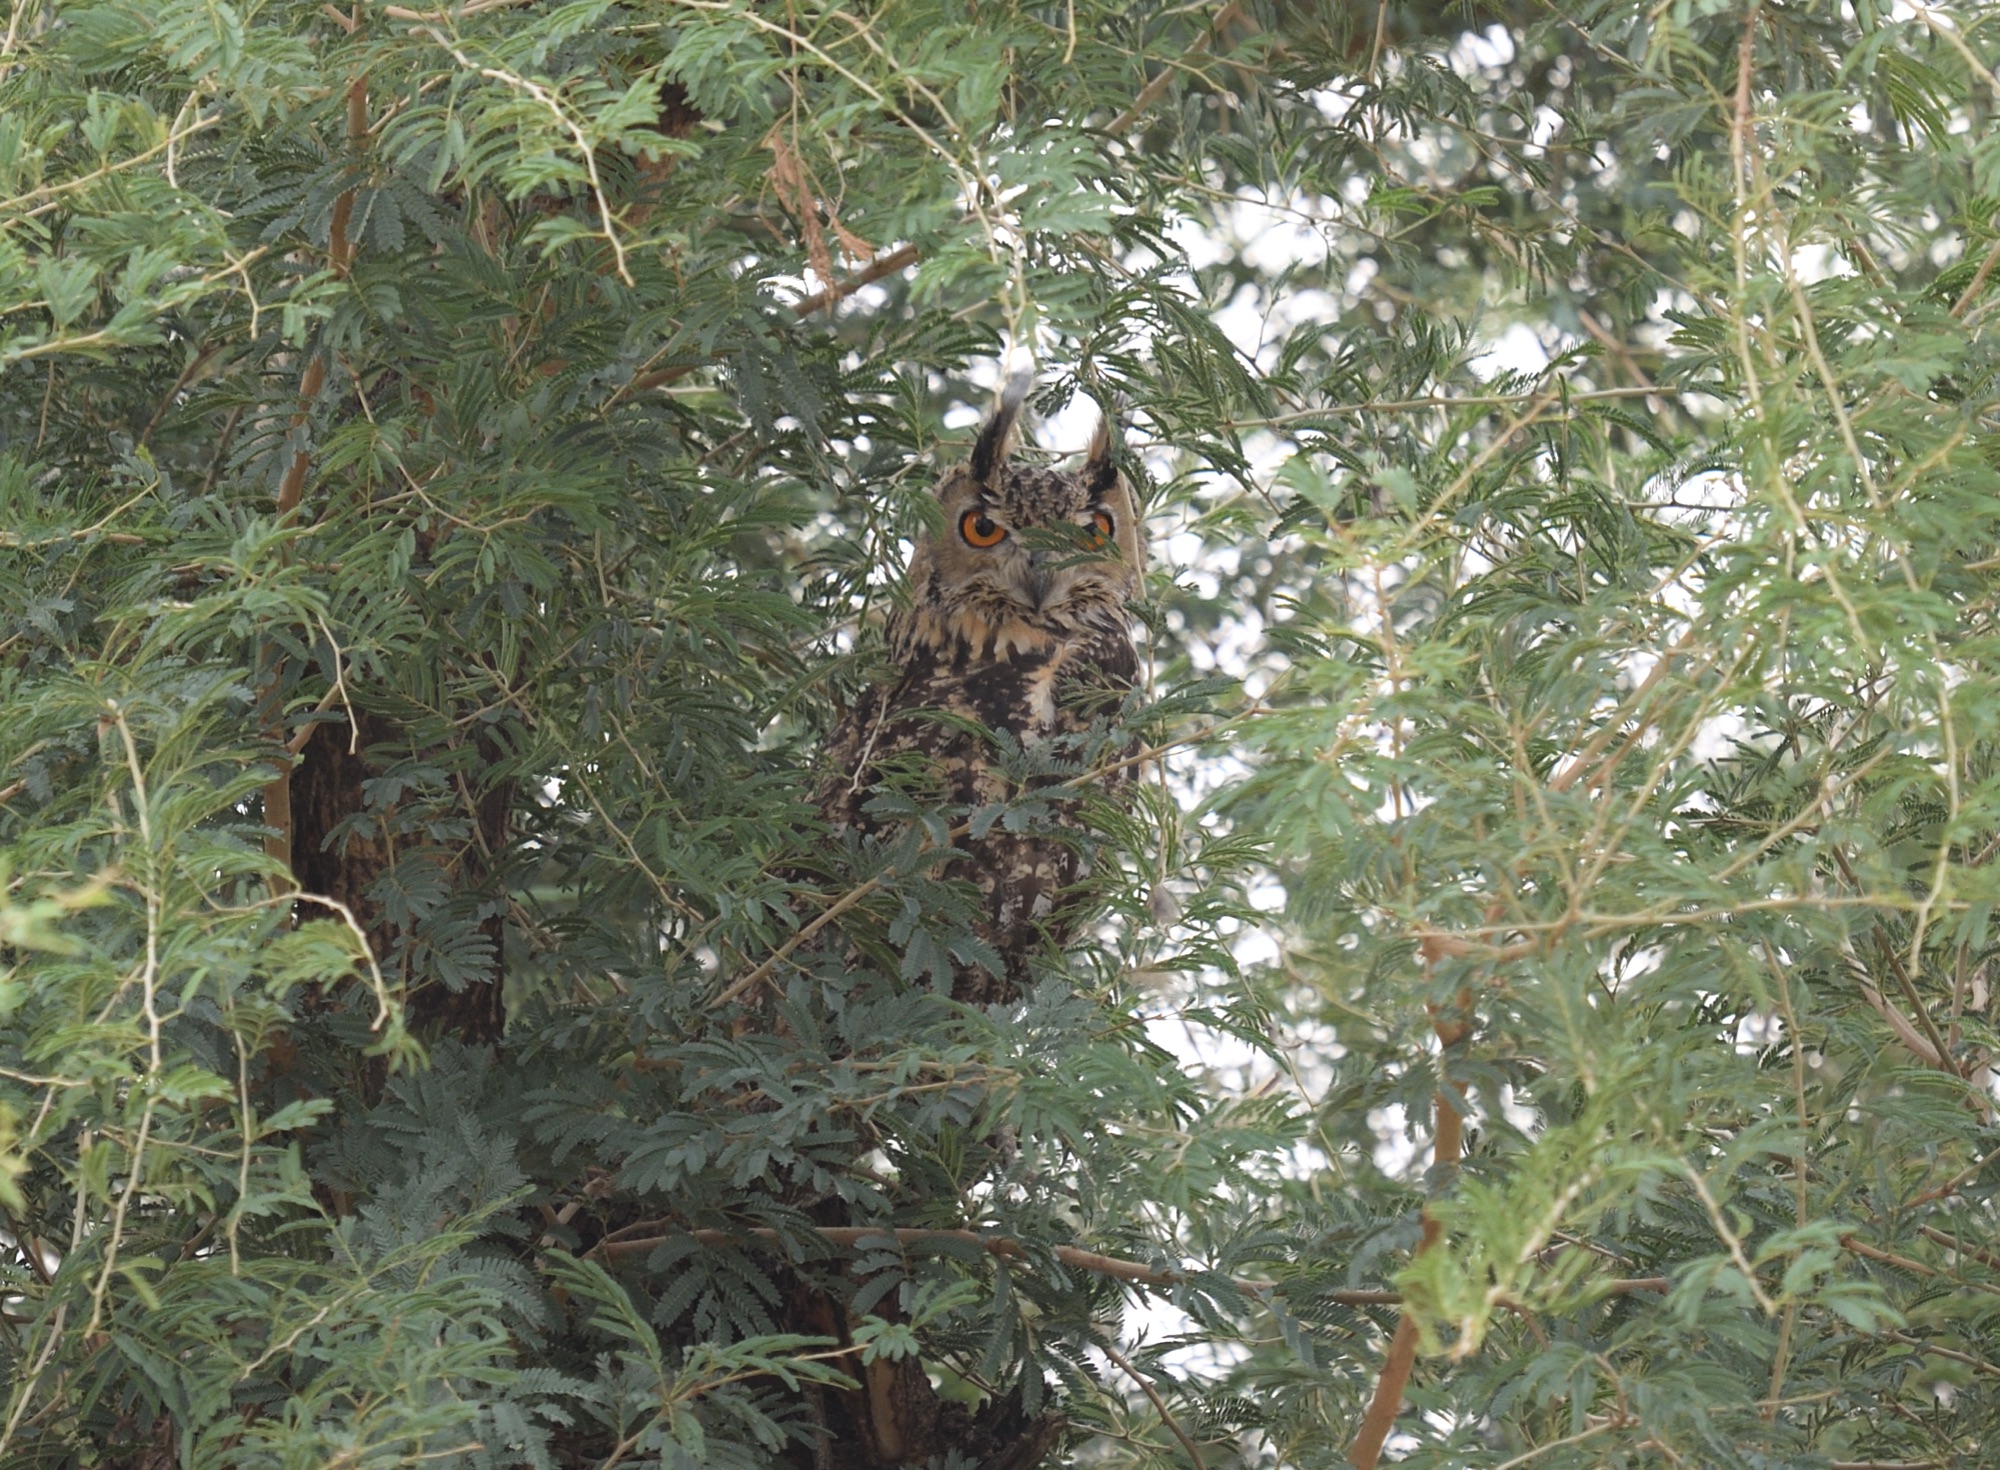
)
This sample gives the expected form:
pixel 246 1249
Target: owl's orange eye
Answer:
pixel 980 529
pixel 1101 519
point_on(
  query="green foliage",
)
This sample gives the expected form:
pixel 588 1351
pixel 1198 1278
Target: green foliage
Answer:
pixel 1593 740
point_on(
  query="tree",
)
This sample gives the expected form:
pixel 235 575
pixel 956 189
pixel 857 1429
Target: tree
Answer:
pixel 452 462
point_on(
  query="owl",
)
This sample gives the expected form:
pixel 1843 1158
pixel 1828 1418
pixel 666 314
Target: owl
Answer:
pixel 1016 630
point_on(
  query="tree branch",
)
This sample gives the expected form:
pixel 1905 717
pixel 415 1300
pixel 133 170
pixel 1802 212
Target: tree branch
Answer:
pixel 1007 1248
pixel 862 890
pixel 1150 93
pixel 1004 1247
pixel 875 270
pixel 1159 1404
pixel 1952 1242
pixel 1448 1145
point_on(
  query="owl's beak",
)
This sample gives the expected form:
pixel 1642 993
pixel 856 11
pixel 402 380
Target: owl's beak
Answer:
pixel 1041 579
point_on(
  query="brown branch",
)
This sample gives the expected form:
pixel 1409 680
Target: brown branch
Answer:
pixel 875 270
pixel 1439 945
pixel 195 364
pixel 1388 1400
pixel 1159 1404
pixel 339 248
pixel 1007 1248
pixel 1586 762
pixel 1619 349
pixel 1150 93
pixel 1978 279
pixel 1908 986
pixel 1977 1365
pixel 1004 1247
pixel 303 735
pixel 1925 1044
pixel 1952 1242
pixel 1739 131
pixel 1957 1181
pixel 1915 1268
pixel 1448 1146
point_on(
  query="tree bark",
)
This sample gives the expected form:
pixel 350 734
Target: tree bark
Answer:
pixel 342 850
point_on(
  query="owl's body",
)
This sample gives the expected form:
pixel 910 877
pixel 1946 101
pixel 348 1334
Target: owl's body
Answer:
pixel 1017 626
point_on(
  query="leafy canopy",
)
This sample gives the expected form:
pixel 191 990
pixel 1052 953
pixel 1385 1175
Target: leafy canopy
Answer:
pixel 451 463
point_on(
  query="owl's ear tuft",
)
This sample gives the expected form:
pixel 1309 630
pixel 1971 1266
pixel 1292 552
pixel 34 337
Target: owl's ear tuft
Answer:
pixel 997 438
pixel 1100 469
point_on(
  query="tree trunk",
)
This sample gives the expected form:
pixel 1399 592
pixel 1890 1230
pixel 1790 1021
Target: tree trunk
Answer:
pixel 343 850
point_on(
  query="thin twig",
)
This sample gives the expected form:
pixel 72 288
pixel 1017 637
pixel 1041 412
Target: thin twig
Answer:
pixel 1729 1238
pixel 11 542
pixel 1447 400
pixel 445 17
pixel 1619 1421
pixel 375 971
pixel 49 192
pixel 1159 1404
pixel 340 688
pixel 195 364
pixel 149 981
pixel 303 737
pixel 1950 35
pixel 862 890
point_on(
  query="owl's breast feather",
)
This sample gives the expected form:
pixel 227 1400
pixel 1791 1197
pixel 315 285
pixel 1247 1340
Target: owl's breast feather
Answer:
pixel 1003 670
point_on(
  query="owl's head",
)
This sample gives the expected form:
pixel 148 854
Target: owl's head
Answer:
pixel 1040 545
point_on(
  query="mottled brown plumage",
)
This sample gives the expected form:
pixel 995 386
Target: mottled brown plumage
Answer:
pixel 1017 622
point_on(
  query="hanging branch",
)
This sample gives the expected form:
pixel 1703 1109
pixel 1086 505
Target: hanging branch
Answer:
pixel 291 490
